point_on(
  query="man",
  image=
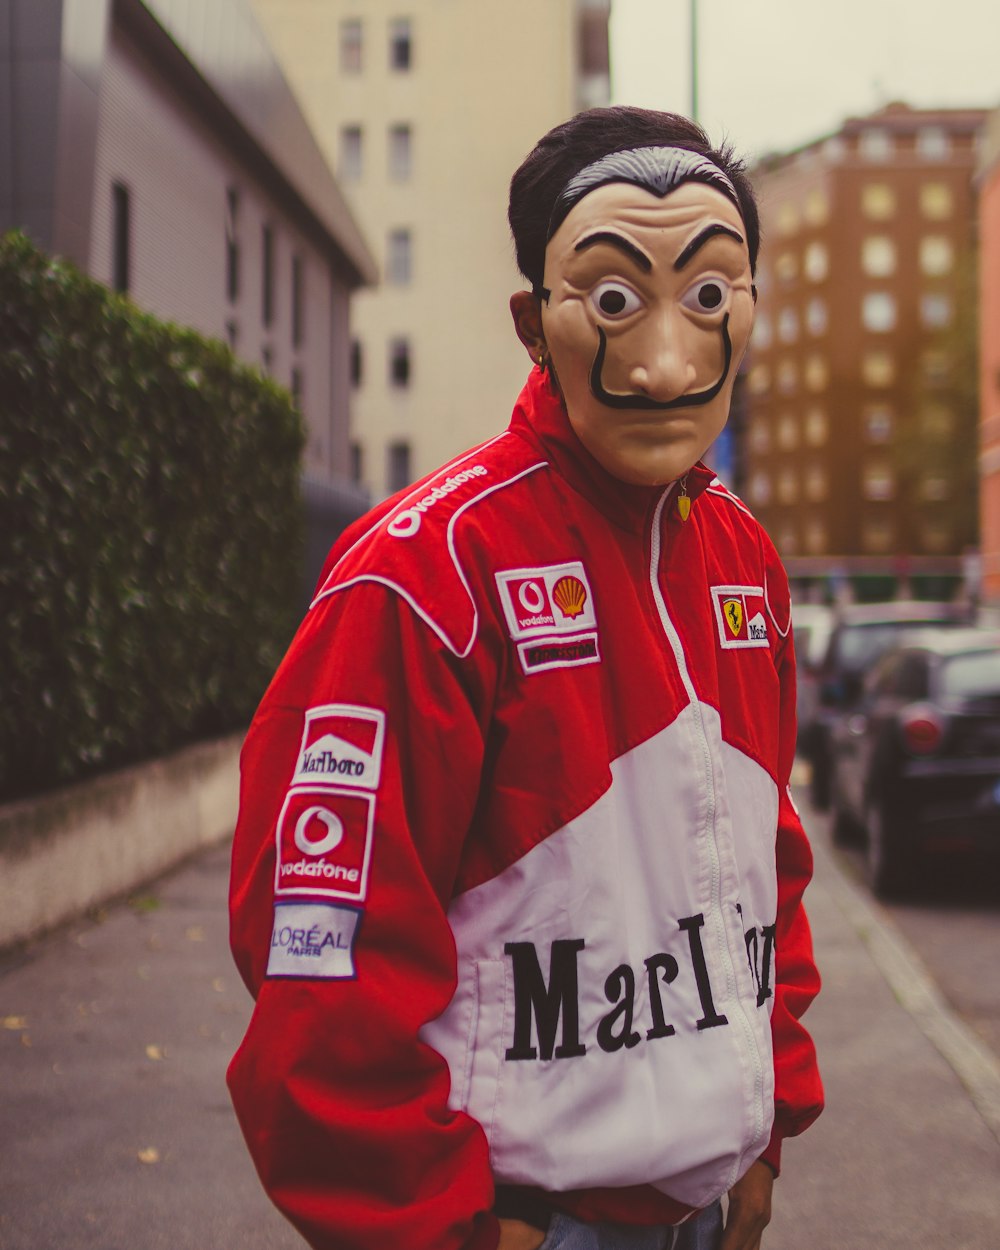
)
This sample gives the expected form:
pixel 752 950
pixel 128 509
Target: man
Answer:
pixel 517 878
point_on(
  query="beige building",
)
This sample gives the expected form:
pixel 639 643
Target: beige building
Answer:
pixel 425 109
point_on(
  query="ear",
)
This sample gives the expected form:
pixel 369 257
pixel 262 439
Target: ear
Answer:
pixel 526 309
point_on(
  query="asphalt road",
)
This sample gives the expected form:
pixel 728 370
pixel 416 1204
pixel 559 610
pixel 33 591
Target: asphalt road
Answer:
pixel 116 1131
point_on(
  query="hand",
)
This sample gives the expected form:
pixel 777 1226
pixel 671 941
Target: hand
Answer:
pixel 749 1209
pixel 516 1235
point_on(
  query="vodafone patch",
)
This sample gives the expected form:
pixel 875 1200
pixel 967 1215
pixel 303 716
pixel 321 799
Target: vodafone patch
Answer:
pixel 341 746
pixel 324 838
pixel 741 616
pixel 556 599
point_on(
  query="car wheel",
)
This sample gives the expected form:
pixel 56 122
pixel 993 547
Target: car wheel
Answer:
pixel 890 863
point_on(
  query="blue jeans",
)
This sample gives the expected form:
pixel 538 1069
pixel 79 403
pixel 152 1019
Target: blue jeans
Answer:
pixel 701 1232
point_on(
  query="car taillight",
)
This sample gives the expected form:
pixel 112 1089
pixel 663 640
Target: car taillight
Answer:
pixel 923 729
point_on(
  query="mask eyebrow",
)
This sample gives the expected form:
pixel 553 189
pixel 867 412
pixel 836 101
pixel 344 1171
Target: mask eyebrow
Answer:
pixel 701 238
pixel 634 253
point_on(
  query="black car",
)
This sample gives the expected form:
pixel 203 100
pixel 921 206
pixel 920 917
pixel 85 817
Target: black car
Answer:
pixel 916 765
pixel 860 635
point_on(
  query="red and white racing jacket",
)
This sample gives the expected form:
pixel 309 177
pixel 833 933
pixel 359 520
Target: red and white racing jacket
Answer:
pixel 517 878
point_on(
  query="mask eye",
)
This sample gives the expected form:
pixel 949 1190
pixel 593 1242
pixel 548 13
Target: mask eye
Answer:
pixel 614 300
pixel 706 296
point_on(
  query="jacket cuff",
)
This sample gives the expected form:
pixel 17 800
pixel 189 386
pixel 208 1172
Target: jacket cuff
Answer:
pixel 772 1155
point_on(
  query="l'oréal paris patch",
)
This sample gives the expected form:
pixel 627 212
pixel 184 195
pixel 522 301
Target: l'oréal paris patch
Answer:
pixel 313 940
pixel 740 616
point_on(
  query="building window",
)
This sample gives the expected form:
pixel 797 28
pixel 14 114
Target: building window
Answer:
pixel 935 255
pixel 788 432
pixel 267 358
pixel 357 363
pixel 788 486
pixel 834 150
pixel 788 218
pixel 936 201
pixel 760 489
pixel 816 427
pixel 934 488
pixel 878 423
pixel 937 422
pixel 786 267
pixel 816 262
pixel 759 380
pixel 816 484
pixel 937 536
pixel 875 144
pixel 398 468
pixel 400 43
pixel 762 331
pixel 296 388
pixel 267 275
pixel 936 366
pixel 817 373
pixel 878 312
pixel 298 302
pixel 400 152
pixel 817 317
pixel 788 325
pixel 399 362
pixel 878 482
pixel 357 462
pixel 350 45
pixel 816 539
pixel 232 333
pixel 878 369
pixel 878 256
pixel 121 237
pixel 935 310
pixel 878 201
pixel 232 246
pixel 760 435
pixel 350 164
pixel 933 143
pixel 399 260
pixel 877 535
pixel 788 377
pixel 817 207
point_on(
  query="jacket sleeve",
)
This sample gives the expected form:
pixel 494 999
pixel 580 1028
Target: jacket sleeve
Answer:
pixel 798 1088
pixel 359 778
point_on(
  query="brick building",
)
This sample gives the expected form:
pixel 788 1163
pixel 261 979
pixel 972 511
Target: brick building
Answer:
pixel 859 437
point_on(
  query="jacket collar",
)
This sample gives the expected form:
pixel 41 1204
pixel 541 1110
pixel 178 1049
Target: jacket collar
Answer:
pixel 540 418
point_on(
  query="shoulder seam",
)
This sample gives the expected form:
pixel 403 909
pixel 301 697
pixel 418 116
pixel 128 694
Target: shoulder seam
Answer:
pixel 463 651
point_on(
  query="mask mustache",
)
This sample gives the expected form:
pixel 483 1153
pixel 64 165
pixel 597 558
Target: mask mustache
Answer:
pixel 643 402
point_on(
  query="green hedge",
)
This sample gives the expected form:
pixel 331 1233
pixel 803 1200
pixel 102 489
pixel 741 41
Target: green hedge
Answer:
pixel 150 529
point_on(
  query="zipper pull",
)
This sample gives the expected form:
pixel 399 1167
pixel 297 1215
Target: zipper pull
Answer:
pixel 683 499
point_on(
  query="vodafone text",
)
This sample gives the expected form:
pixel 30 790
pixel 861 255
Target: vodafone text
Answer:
pixel 407 522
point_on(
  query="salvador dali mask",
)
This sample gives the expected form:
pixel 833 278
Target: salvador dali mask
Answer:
pixel 648 314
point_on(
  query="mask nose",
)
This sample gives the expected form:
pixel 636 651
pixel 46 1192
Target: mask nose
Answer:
pixel 665 369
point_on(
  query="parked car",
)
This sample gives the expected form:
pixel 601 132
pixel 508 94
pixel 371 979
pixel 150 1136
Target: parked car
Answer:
pixel 811 626
pixel 860 634
pixel 916 765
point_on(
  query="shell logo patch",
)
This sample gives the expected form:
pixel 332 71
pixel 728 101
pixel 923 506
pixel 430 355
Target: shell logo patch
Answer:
pixel 740 616
pixel 555 599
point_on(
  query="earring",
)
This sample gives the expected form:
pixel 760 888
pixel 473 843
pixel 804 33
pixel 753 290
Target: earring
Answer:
pixel 542 362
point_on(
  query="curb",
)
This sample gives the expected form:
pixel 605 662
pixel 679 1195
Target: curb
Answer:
pixel 66 852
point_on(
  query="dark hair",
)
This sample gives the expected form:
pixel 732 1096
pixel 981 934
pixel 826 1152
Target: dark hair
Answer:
pixel 585 138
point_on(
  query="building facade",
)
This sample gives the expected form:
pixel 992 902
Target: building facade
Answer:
pixel 157 145
pixel 425 109
pixel 860 385
pixel 989 359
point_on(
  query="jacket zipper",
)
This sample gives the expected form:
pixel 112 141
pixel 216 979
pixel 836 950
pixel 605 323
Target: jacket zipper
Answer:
pixel 715 859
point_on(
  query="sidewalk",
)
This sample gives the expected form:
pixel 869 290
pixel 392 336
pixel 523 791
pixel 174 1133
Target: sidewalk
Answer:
pixel 116 1131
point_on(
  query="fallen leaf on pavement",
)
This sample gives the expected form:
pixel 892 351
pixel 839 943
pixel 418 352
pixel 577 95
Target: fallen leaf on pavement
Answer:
pixel 154 1052
pixel 15 1023
pixel 195 933
pixel 149 1154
